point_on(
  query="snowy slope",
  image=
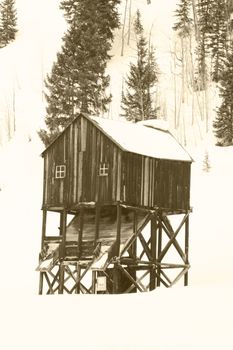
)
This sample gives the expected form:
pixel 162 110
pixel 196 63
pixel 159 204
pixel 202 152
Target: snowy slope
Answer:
pixel 197 317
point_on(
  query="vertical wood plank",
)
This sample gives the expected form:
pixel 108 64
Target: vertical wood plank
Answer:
pixel 120 183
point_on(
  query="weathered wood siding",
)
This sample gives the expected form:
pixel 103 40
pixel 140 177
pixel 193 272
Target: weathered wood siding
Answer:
pixel 153 182
pixel 134 179
pixel 82 148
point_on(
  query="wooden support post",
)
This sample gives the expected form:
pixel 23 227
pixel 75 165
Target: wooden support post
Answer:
pixel 159 248
pixel 77 289
pixel 80 234
pixel 44 221
pixel 61 278
pixel 41 283
pixel 93 282
pixel 153 250
pixel 97 221
pixel 116 286
pixel 186 249
pixel 118 236
pixel 135 226
pixel 63 218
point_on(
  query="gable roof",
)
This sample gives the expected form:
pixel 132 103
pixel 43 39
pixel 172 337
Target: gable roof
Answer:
pixel 141 138
pixel 147 140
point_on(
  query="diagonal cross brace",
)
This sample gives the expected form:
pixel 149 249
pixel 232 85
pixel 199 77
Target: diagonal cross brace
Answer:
pixel 169 231
pixel 172 239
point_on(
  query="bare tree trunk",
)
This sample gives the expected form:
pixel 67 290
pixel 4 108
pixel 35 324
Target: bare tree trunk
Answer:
pixel 195 20
pixel 123 29
pixel 129 22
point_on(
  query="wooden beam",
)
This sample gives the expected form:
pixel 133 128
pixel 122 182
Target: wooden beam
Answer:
pixel 93 285
pixel 159 247
pixel 171 241
pixel 82 275
pixel 169 231
pixel 186 249
pixel 61 279
pixel 137 285
pixel 80 234
pixel 116 286
pixel 145 246
pixel 49 284
pixel 63 218
pixel 118 236
pixel 41 283
pixel 97 221
pixel 44 221
pixel 153 250
pixel 79 270
pixel 138 281
pixel 181 274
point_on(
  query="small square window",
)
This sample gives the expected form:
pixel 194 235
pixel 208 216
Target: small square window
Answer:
pixel 60 172
pixel 103 169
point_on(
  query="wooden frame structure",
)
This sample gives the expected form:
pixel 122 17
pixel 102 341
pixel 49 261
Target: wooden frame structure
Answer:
pixel 130 227
pixel 138 265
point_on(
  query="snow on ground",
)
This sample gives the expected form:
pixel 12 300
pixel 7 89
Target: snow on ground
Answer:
pixel 197 317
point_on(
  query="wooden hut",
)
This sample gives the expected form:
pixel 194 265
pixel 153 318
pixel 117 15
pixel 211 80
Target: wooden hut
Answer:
pixel 115 179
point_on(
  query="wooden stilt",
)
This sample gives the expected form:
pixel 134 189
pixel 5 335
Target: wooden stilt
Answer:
pixel 63 218
pixel 159 248
pixel 44 221
pixel 97 220
pixel 186 249
pixel 133 251
pixel 118 236
pixel 153 250
pixel 41 283
pixel 61 278
pixel 93 282
pixel 78 269
pixel 116 287
pixel 80 235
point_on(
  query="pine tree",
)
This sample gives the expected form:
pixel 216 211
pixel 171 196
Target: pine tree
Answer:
pixel 218 38
pixel 137 101
pixel 8 22
pixel 205 26
pixel 78 82
pixel 184 22
pixel 223 123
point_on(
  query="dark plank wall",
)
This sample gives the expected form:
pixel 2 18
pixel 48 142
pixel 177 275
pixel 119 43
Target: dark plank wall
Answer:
pixel 134 179
pixel 82 147
pixel 152 182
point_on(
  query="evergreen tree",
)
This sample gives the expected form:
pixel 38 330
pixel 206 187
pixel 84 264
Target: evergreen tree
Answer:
pixel 218 38
pixel 184 21
pixel 223 124
pixel 205 26
pixel 8 22
pixel 78 82
pixel 137 101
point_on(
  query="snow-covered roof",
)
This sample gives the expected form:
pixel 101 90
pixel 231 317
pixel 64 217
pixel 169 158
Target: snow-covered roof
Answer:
pixel 147 140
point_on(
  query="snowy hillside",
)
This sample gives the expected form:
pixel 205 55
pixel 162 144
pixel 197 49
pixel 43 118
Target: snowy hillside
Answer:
pixel 197 317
